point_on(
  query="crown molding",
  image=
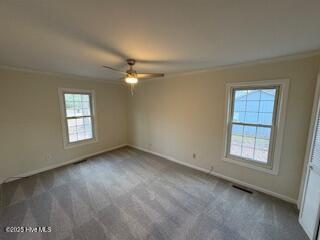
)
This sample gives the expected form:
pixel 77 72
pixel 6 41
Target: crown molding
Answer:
pixel 245 64
pixel 179 73
pixel 60 74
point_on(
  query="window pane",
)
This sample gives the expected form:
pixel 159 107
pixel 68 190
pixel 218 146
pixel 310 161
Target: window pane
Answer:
pixel 247 152
pixel 78 108
pixel 241 94
pixel 85 98
pixel 253 95
pixel 86 112
pixel 266 106
pixel 72 130
pixel 238 116
pixel 70 108
pixel 88 128
pixel 236 140
pixel 262 144
pixel 85 104
pixel 73 138
pixel 81 135
pixel 251 117
pixel 69 104
pixel 77 97
pixel 249 131
pixel 70 112
pixel 237 129
pixel 240 106
pixel 80 129
pixel 235 150
pixel 265 118
pixel 250 142
pixel 68 97
pixel 88 135
pixel 87 120
pixel 88 131
pixel 79 121
pixel 78 105
pixel 268 94
pixel 254 106
pixel 263 132
pixel 72 122
pixel 261 156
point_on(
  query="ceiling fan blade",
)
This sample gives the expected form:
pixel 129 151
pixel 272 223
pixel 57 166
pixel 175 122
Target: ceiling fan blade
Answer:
pixel 149 75
pixel 114 69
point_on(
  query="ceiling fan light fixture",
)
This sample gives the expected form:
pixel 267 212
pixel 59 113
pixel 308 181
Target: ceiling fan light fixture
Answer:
pixel 131 80
pixel 131 76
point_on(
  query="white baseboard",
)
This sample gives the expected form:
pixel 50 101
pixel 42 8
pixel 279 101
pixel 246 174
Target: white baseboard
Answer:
pixel 60 164
pixel 230 179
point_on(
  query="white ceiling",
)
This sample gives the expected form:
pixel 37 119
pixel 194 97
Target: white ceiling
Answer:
pixel 78 36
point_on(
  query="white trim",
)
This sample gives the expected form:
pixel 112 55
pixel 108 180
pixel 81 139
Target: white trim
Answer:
pixel 230 179
pixel 253 63
pixel 61 74
pixel 308 155
pixel 66 143
pixel 310 139
pixel 78 159
pixel 169 158
pixel 294 56
pixel 279 127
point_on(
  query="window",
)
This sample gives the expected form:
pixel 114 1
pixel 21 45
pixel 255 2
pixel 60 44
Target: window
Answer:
pixel 253 124
pixel 78 119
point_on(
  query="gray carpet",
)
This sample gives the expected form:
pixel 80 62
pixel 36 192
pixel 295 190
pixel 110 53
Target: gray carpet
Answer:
pixel 129 194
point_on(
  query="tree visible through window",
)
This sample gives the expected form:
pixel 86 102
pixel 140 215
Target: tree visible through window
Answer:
pixel 78 115
pixel 251 129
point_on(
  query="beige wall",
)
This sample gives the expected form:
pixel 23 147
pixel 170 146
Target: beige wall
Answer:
pixel 184 114
pixel 30 124
pixel 176 116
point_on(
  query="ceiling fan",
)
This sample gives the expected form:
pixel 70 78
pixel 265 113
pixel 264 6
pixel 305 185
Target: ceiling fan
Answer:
pixel 131 76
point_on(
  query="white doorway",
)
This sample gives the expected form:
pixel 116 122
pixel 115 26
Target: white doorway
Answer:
pixel 310 204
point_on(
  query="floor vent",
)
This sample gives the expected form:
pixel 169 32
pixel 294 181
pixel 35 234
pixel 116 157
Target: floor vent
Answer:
pixel 81 161
pixel 242 189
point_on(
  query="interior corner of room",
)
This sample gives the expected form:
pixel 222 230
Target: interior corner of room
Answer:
pixel 181 118
pixel 185 130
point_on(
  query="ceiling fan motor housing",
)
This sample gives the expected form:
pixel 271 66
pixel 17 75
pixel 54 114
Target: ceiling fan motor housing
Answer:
pixel 130 73
pixel 131 61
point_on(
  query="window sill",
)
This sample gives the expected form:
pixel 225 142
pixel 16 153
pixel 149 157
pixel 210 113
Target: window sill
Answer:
pixel 80 143
pixel 272 171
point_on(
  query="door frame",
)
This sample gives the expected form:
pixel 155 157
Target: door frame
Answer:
pixel 306 168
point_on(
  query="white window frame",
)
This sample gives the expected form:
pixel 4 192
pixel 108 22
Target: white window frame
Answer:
pixel 66 143
pixel 278 128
